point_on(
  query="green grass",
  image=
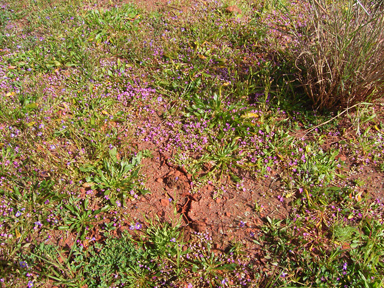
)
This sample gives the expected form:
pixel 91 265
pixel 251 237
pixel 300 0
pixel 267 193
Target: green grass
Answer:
pixel 229 96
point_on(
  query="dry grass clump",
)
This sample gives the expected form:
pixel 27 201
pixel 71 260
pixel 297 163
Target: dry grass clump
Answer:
pixel 341 54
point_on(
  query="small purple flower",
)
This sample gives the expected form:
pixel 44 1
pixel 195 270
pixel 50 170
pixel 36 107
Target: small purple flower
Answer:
pixel 242 224
pixel 138 226
pixel 23 264
pixel 30 284
pixel 345 266
pixel 18 214
pixel 173 240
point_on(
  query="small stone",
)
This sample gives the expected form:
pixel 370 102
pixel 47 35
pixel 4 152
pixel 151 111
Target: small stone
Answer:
pixel 341 157
pixel 227 214
pixel 170 173
pixel 199 226
pixel 164 202
pixel 159 180
pixel 193 214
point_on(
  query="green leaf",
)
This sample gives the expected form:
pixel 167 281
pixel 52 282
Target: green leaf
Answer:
pixel 234 177
pixel 63 227
pixel 31 106
pixel 68 222
pixel 355 244
pixel 195 268
pixel 86 169
pixel 104 209
pixel 113 154
pixel 70 208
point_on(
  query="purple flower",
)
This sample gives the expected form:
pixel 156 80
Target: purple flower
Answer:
pixel 173 240
pixel 345 266
pixel 30 284
pixel 38 224
pixel 138 226
pixel 23 264
pixel 18 214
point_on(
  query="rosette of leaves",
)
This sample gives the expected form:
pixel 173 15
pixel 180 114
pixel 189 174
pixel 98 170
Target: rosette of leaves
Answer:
pixel 80 218
pixel 116 178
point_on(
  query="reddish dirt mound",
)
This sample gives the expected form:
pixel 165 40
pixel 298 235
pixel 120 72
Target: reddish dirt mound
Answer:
pixel 229 218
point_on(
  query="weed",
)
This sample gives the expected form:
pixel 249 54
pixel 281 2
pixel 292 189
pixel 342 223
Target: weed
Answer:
pixel 55 263
pixel 116 178
pixel 119 261
pixel 78 217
